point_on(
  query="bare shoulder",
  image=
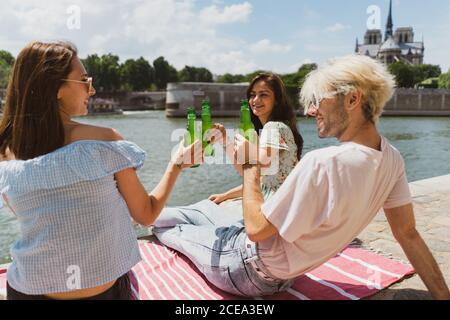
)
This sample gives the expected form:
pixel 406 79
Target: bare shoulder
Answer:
pixel 88 132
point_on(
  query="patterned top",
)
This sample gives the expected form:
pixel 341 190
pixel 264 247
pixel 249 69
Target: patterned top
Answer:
pixel 278 136
pixel 76 229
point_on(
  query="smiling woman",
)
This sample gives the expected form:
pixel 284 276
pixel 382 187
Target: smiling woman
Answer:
pixel 74 94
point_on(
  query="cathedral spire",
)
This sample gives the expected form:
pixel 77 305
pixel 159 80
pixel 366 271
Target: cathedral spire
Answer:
pixel 390 24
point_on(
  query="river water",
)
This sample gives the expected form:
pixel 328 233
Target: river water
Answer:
pixel 424 143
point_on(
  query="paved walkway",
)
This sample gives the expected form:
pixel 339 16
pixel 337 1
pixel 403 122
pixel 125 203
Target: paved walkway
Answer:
pixel 432 211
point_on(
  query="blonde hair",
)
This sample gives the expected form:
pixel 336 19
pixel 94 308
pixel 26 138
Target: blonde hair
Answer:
pixel 351 73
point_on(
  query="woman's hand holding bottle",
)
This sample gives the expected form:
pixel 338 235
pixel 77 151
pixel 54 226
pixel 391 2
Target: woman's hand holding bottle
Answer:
pixel 186 157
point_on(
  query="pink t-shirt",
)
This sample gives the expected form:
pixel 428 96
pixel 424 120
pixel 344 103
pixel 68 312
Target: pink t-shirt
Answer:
pixel 327 200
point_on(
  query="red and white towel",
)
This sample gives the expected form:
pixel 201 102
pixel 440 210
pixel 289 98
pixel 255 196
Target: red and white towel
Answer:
pixel 165 274
pixel 353 274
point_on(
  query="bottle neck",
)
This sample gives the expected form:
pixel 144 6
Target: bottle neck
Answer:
pixel 206 121
pixel 206 110
pixel 245 116
pixel 191 121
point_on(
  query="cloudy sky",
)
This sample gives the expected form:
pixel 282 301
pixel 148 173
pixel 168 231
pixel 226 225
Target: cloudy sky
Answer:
pixel 236 36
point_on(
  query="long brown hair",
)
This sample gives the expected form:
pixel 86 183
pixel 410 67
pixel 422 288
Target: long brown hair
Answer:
pixel 31 124
pixel 282 111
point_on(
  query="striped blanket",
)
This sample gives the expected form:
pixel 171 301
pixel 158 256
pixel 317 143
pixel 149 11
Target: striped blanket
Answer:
pixel 351 275
pixel 164 274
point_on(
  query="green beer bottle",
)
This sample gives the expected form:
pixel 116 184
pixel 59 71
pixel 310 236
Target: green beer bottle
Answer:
pixel 206 125
pixel 191 134
pixel 246 127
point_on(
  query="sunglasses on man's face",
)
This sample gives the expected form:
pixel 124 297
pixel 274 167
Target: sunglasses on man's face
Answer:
pixel 314 107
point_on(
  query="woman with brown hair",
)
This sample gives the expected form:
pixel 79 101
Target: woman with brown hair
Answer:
pixel 280 143
pixel 73 187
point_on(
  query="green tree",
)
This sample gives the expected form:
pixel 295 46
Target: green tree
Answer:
pixel 408 76
pixel 430 83
pixel 231 78
pixel 92 63
pixel 296 79
pixel 137 75
pixel 444 80
pixel 105 71
pixel 427 71
pixel 304 70
pixel 405 75
pixel 6 63
pixel 5 71
pixel 164 73
pixel 6 57
pixel 193 74
pixel 110 69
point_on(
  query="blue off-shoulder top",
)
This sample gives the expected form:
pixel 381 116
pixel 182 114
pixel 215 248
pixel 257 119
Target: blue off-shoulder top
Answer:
pixel 76 230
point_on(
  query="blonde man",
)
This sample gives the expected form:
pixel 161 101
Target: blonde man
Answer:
pixel 335 192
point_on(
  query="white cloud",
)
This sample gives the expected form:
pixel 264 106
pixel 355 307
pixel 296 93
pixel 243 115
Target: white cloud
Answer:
pixel 31 18
pixel 337 27
pixel 185 36
pixel 266 46
pixel 237 61
pixel 182 31
pixel 212 15
pixel 98 43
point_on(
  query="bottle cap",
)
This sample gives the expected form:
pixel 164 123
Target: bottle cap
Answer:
pixel 191 113
pixel 244 104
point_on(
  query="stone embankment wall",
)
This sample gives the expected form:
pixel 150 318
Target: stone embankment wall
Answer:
pixel 225 99
pixel 419 102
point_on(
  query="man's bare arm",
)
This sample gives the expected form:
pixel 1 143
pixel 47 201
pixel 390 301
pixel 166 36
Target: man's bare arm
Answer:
pixel 258 228
pixel 403 226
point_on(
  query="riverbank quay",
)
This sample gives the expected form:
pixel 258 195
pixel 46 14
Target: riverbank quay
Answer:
pixel 431 198
pixel 224 100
